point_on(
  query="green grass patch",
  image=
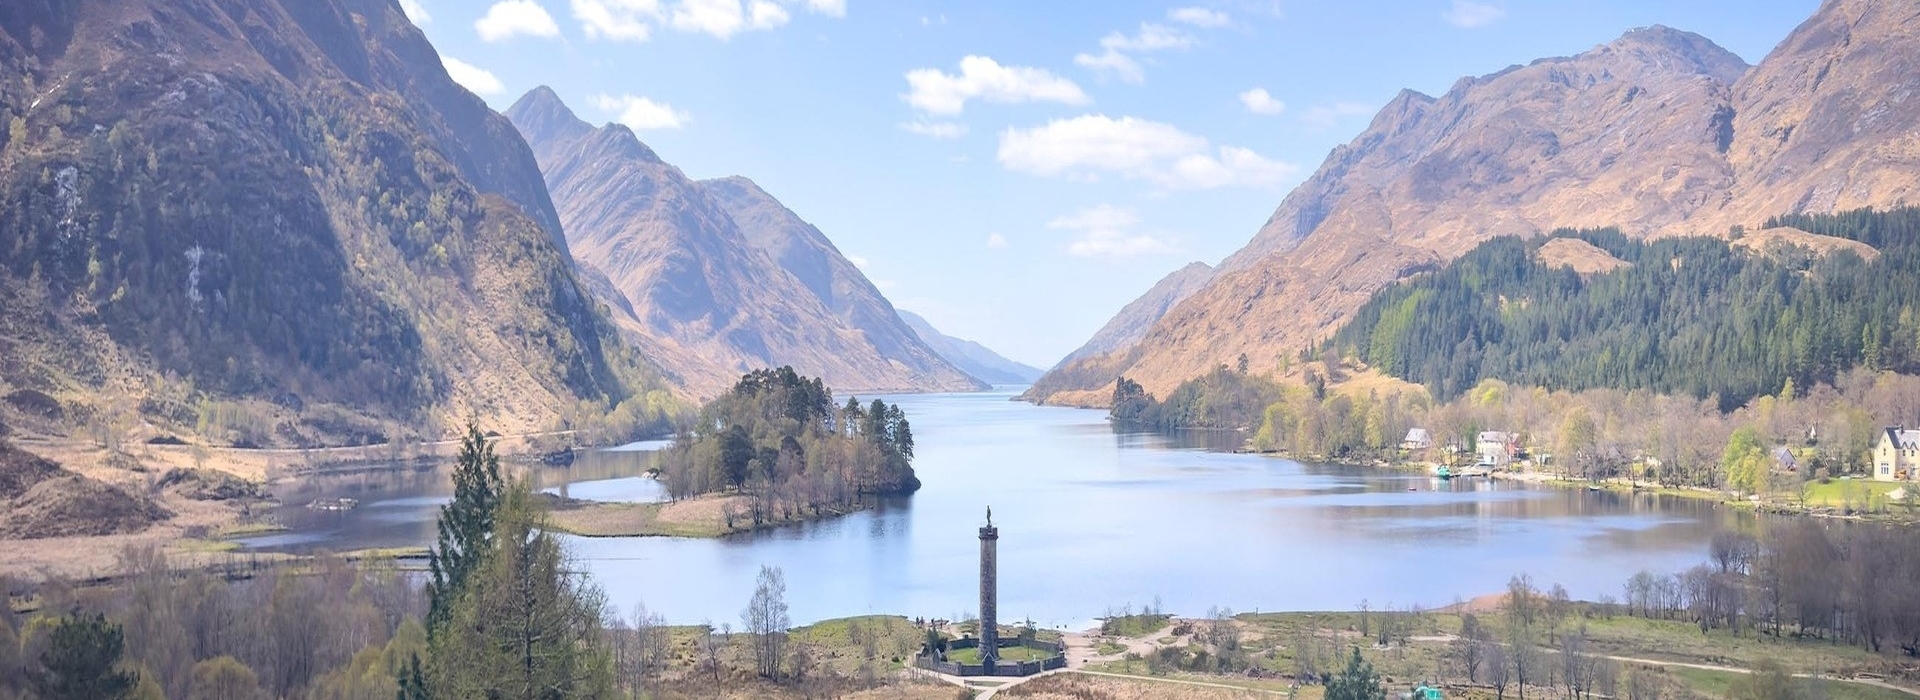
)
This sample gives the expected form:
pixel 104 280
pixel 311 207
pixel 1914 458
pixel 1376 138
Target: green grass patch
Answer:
pixel 1719 683
pixel 1109 648
pixel 1134 625
pixel 972 656
pixel 1861 494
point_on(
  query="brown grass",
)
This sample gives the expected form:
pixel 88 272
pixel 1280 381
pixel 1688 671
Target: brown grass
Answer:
pixel 1585 258
pixel 1769 240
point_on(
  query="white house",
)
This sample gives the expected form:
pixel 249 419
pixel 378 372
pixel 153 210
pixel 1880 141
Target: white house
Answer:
pixel 1897 457
pixel 1496 448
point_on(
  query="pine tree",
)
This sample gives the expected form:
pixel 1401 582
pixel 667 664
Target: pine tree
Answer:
pixel 525 628
pixel 80 659
pixel 1358 682
pixel 466 526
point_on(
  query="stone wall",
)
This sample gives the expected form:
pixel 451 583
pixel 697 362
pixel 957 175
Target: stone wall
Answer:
pixel 1004 668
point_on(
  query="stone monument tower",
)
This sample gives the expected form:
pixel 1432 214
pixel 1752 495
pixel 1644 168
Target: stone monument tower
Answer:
pixel 989 585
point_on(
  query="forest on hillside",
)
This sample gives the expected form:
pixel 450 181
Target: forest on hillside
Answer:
pixel 1691 316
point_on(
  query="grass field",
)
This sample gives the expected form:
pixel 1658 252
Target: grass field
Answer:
pixel 1859 493
pixel 972 656
pixel 1717 684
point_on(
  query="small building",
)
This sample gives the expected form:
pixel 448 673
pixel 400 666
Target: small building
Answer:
pixel 1784 459
pixel 1897 456
pixel 1418 439
pixel 1495 448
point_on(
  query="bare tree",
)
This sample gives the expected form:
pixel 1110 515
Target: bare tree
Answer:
pixel 766 619
pixel 709 645
pixel 1499 670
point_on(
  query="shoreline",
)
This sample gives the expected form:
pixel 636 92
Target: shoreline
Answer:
pixel 1773 504
pixel 698 517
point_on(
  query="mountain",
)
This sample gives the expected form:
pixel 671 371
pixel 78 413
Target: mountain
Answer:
pixel 278 222
pixel 976 359
pixel 1659 132
pixel 1128 326
pixel 715 279
pixel 1073 380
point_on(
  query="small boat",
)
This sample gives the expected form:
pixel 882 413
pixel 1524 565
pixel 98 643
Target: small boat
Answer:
pixel 334 504
pixel 1444 472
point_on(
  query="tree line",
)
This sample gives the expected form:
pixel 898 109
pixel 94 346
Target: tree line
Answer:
pixel 780 439
pixel 502 613
pixel 1694 316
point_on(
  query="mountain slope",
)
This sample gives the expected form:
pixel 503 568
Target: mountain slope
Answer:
pixel 975 359
pixel 284 210
pixel 1659 133
pixel 1134 319
pixel 1830 121
pixel 707 299
pixel 802 250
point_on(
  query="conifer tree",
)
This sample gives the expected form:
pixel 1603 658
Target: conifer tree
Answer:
pixel 466 526
pixel 80 661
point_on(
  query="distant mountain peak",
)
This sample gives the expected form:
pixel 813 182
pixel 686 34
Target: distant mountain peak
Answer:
pixel 1695 53
pixel 542 116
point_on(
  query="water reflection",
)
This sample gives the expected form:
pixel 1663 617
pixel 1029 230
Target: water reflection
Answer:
pixel 1090 519
pixel 397 507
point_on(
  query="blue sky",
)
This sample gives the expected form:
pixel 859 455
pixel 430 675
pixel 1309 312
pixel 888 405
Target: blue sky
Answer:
pixel 1016 170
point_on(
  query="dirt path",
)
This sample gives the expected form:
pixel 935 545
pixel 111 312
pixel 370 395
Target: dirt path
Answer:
pixel 1083 647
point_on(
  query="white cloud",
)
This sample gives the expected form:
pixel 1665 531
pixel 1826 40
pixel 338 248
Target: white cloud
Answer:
pixel 472 77
pixel 857 261
pixel 1258 101
pixel 618 20
pixel 1107 231
pixel 1117 49
pixel 416 12
pixel 635 20
pixel 1327 115
pixel 936 129
pixel 1089 145
pixel 508 18
pixel 640 113
pixel 1199 17
pixel 996 241
pixel 766 15
pixel 1121 65
pixel 720 18
pixel 980 77
pixel 1467 14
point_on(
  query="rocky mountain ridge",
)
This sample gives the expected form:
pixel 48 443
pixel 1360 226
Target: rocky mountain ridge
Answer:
pixel 717 278
pixel 1659 132
pixel 278 222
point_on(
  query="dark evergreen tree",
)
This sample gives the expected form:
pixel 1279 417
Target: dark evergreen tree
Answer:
pixel 1358 682
pixel 466 526
pixel 80 661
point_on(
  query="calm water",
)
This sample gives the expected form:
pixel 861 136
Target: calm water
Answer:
pixel 1091 520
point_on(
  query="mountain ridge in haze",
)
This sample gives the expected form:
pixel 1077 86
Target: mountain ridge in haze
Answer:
pixel 978 360
pixel 718 278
